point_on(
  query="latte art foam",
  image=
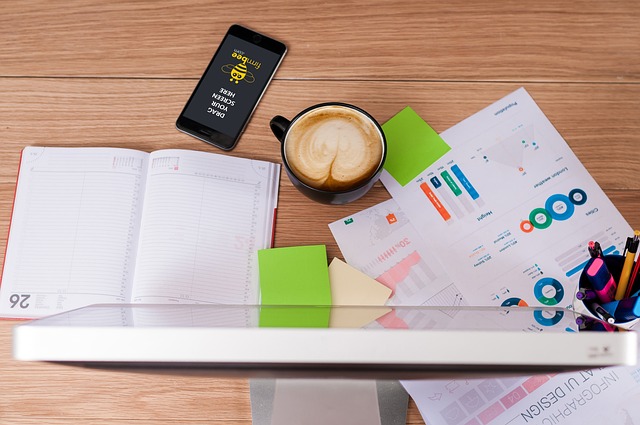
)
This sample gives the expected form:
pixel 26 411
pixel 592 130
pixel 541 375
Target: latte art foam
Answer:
pixel 333 148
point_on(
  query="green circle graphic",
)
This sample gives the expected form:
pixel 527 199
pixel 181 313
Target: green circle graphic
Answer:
pixel 546 223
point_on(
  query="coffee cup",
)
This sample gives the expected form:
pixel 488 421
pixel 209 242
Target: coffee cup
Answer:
pixel 332 152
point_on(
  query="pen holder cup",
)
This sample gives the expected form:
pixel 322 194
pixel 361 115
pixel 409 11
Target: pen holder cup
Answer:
pixel 614 263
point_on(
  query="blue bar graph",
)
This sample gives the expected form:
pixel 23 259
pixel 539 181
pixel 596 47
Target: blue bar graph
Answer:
pixel 465 182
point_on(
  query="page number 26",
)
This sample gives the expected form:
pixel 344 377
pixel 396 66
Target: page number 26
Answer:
pixel 19 300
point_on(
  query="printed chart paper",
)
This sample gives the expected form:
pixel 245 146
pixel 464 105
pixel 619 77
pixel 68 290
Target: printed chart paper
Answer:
pixel 599 396
pixel 382 243
pixel 510 209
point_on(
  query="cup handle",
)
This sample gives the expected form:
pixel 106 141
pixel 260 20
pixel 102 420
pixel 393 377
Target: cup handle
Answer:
pixel 279 126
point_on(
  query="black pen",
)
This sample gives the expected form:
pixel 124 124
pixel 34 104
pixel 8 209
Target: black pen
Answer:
pixel 604 314
pixel 598 249
pixel 594 249
pixel 587 323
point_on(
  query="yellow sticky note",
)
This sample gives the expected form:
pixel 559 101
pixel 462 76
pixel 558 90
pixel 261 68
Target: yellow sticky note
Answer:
pixel 351 287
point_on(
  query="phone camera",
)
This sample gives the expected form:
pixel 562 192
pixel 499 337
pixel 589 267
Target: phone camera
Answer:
pixel 257 38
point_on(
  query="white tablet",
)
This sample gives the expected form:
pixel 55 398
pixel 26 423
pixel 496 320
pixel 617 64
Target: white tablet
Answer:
pixel 282 341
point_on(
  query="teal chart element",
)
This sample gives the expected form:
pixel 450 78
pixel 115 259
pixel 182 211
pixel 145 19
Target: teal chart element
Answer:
pixel 511 302
pixel 465 182
pixel 578 197
pixel 540 218
pixel 548 285
pixel 560 207
pixel 557 207
pixel 548 321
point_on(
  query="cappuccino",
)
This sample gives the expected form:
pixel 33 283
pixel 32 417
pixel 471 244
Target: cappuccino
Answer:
pixel 333 148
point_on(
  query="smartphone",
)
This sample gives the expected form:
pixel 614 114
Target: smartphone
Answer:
pixel 231 87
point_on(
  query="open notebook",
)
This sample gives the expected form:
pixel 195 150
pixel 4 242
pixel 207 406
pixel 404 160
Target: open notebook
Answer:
pixel 95 225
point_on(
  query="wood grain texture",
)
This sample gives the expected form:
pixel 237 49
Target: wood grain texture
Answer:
pixel 49 393
pixel 117 73
pixel 457 40
pixel 140 114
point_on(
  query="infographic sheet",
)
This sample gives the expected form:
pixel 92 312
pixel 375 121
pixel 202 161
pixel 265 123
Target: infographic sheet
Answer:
pixel 595 396
pixel 382 243
pixel 509 210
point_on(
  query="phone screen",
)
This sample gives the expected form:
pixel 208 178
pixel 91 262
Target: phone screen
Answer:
pixel 230 88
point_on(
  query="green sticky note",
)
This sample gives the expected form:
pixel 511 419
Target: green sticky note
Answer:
pixel 294 317
pixel 412 145
pixel 294 276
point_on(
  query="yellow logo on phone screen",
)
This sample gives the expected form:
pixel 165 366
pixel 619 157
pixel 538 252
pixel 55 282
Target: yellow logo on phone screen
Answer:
pixel 238 73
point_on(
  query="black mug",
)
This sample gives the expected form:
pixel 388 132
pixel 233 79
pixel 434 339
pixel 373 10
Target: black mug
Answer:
pixel 281 127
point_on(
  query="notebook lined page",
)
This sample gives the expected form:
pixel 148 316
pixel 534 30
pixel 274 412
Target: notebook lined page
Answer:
pixel 74 229
pixel 181 315
pixel 205 217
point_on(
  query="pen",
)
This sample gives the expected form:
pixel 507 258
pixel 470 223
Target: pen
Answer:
pixel 586 294
pixel 604 314
pixel 581 320
pixel 594 249
pixel 587 323
pixel 631 248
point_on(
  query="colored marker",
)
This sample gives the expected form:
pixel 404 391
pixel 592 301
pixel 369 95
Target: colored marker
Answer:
pixel 581 320
pixel 586 294
pixel 601 280
pixel 624 310
pixel 602 313
pixel 630 253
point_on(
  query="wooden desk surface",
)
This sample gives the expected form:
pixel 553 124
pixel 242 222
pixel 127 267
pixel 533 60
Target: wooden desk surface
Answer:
pixel 117 73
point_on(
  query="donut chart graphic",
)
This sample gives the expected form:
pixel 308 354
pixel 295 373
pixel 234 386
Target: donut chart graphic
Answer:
pixel 557 207
pixel 548 291
pixel 560 207
pixel 544 318
pixel 511 302
pixel 578 197
pixel 527 226
pixel 540 218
